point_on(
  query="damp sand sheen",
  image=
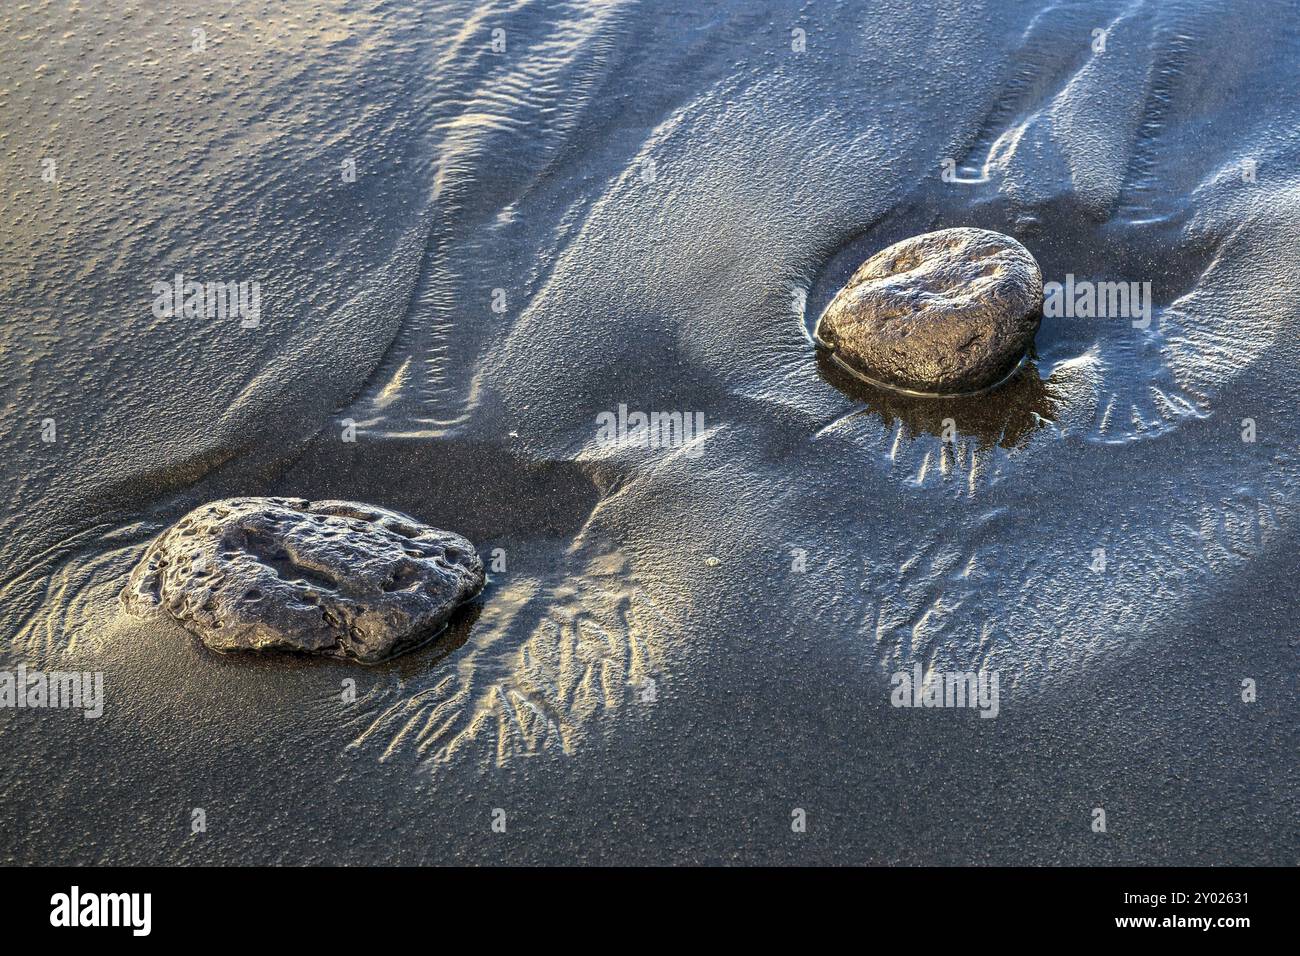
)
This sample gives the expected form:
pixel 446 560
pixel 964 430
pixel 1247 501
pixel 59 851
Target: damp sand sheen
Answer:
pixel 676 643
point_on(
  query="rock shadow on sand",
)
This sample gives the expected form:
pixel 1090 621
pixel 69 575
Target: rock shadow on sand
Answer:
pixel 1005 417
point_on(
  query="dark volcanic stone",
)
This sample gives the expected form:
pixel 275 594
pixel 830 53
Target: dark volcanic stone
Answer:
pixel 336 578
pixel 943 313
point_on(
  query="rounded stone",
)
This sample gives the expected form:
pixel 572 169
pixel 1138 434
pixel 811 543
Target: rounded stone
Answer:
pixel 335 578
pixel 943 313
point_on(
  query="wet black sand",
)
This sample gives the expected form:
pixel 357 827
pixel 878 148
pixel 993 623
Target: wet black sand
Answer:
pixel 650 678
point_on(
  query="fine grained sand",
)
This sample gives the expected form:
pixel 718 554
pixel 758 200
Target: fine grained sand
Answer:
pixel 678 646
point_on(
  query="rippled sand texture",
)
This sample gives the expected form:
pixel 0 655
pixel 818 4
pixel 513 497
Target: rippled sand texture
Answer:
pixel 648 205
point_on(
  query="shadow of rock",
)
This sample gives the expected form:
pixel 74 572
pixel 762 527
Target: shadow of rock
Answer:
pixel 1005 416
